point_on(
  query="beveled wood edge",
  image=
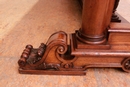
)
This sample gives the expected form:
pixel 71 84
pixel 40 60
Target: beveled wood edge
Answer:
pixel 119 27
pixel 51 72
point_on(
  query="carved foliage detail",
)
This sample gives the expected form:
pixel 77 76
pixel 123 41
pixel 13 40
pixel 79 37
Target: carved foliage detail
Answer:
pixel 31 55
pixel 34 58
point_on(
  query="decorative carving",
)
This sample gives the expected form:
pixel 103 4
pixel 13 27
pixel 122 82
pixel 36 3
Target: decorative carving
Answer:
pixel 45 66
pixel 115 18
pixel 126 65
pixel 31 56
pixel 37 58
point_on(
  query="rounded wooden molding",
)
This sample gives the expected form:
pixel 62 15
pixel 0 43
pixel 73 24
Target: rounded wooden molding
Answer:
pixel 126 65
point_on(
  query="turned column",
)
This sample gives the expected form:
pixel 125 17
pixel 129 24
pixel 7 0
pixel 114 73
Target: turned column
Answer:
pixel 96 17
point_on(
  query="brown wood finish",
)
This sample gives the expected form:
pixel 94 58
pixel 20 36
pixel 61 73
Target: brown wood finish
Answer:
pixel 99 43
pixel 95 20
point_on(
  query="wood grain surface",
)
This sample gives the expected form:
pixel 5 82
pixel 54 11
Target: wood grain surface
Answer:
pixel 32 22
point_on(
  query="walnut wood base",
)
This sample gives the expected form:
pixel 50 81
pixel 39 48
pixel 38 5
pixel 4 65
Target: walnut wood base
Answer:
pixel 56 57
pixel 98 43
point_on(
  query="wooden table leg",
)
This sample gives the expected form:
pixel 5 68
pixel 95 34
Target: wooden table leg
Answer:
pixel 99 43
pixel 96 17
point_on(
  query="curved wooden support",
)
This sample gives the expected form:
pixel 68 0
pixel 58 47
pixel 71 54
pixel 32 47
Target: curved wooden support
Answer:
pixel 52 57
pixel 37 58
